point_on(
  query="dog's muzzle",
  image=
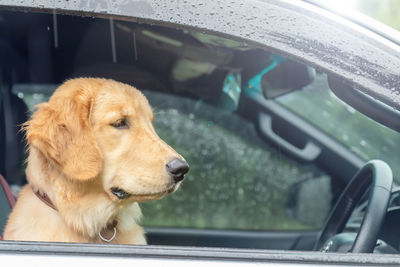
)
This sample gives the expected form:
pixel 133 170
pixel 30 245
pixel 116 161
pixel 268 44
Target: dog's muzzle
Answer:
pixel 176 168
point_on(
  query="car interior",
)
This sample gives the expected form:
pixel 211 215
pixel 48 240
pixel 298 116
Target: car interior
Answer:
pixel 270 145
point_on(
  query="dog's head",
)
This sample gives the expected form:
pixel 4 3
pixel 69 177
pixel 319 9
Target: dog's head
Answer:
pixel 102 129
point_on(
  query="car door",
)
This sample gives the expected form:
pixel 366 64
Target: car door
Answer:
pixel 289 231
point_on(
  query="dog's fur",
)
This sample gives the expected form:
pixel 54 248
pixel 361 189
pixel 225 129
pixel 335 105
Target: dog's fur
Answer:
pixel 76 156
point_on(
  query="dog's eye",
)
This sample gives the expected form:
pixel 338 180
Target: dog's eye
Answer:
pixel 120 124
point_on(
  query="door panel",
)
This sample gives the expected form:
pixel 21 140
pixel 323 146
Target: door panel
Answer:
pixel 231 238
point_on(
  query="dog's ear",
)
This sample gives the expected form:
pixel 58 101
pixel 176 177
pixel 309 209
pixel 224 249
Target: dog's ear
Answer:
pixel 62 131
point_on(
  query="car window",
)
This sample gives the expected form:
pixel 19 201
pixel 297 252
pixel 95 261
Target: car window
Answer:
pixel 196 83
pixel 362 135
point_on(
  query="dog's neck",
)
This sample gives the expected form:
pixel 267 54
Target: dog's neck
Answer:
pixel 82 207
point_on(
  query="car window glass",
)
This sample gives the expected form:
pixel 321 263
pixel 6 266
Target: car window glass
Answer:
pixel 362 135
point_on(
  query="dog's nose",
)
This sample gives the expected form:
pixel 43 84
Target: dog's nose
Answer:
pixel 177 168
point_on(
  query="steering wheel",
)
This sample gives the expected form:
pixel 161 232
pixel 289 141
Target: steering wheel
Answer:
pixel 376 176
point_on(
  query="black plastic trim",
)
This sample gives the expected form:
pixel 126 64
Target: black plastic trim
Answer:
pixel 290 240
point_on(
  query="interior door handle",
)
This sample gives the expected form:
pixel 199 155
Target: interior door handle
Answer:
pixel 310 151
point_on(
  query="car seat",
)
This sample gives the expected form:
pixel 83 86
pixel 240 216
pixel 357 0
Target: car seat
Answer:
pixel 13 112
pixel 11 152
pixel 7 202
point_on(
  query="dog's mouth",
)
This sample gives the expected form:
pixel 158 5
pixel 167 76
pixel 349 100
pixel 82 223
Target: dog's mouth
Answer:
pixel 121 194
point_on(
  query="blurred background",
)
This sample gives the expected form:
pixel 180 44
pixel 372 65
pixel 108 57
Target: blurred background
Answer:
pixel 385 11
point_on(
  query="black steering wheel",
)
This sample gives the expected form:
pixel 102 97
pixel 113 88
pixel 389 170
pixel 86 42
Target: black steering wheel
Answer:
pixel 376 176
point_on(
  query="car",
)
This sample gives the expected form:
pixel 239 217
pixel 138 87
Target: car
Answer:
pixel 288 114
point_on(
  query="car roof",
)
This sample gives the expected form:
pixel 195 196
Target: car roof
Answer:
pixel 300 30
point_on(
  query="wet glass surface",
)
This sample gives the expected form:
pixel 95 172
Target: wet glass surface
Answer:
pixel 236 181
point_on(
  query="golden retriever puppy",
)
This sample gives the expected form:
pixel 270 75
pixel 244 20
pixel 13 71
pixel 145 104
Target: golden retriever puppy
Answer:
pixel 93 154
